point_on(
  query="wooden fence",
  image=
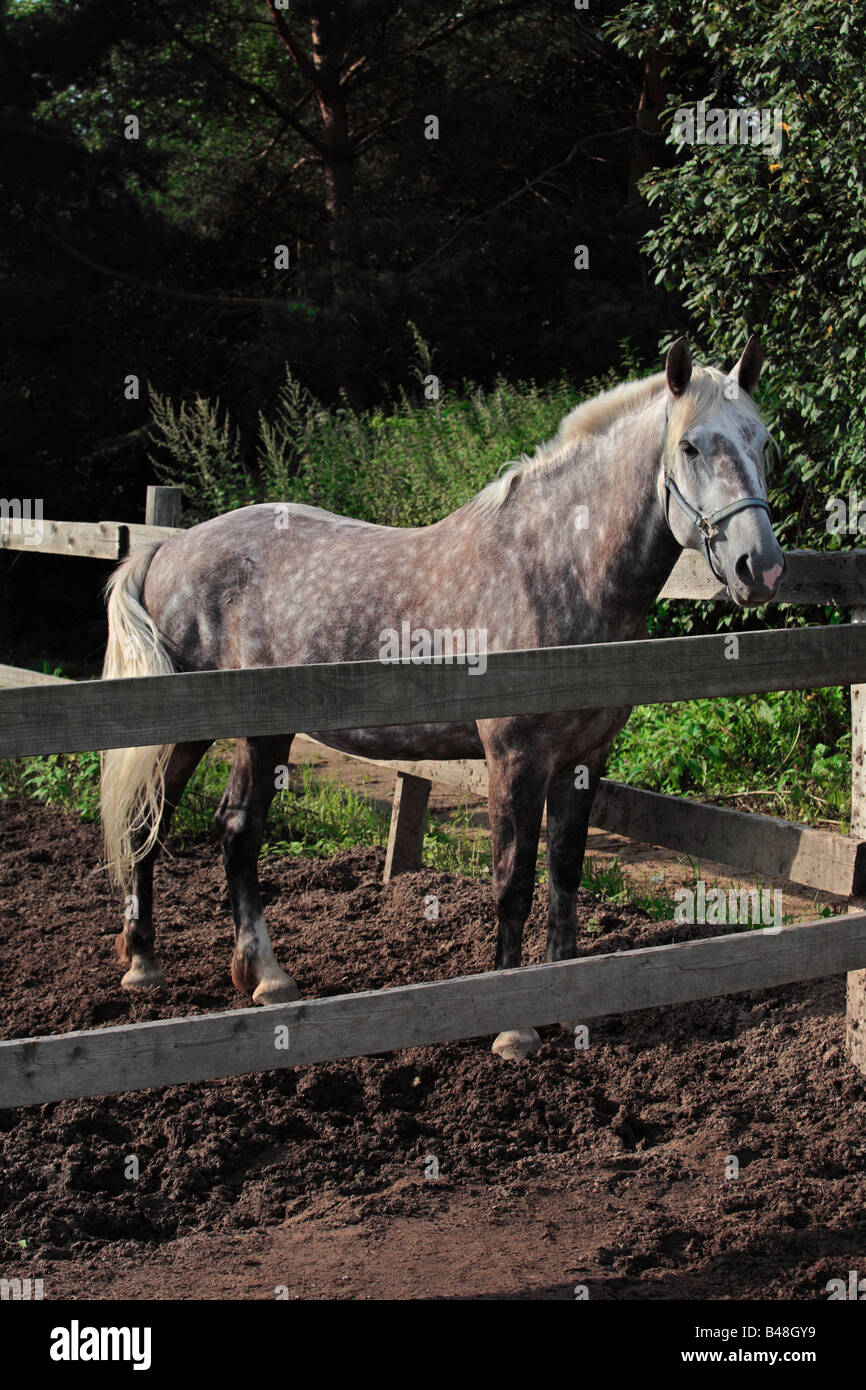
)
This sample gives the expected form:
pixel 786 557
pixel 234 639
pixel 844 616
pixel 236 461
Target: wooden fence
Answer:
pixel 44 714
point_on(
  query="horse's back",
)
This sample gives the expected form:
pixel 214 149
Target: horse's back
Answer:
pixel 279 584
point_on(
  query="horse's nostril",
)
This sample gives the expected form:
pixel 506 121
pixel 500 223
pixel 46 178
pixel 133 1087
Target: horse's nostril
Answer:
pixel 743 570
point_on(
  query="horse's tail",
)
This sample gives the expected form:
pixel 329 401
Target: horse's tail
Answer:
pixel 133 779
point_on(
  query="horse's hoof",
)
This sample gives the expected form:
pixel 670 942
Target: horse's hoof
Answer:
pixel 516 1045
pixel 280 989
pixel 143 974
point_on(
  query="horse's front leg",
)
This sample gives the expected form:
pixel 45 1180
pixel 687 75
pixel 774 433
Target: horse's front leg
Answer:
pixel 569 804
pixel 517 786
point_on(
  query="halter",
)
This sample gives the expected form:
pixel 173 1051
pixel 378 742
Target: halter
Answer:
pixel 706 522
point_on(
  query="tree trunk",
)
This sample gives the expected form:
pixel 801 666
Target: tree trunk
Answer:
pixel 648 141
pixel 339 158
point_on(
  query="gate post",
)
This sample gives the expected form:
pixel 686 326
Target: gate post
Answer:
pixel 406 836
pixel 855 1037
pixel 163 506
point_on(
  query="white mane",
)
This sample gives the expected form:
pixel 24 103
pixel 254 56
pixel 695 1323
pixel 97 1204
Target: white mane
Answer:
pixel 704 395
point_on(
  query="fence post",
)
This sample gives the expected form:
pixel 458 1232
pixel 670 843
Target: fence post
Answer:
pixel 855 1040
pixel 163 506
pixel 406 837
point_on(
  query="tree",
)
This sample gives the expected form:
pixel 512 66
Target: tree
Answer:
pixel 772 236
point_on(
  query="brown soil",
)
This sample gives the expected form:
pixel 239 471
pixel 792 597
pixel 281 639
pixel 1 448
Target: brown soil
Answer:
pixel 603 1167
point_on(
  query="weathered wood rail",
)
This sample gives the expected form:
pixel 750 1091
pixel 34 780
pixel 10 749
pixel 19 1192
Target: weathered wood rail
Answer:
pixel 173 1051
pixel 265 700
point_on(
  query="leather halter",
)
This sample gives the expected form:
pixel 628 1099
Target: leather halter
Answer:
pixel 706 522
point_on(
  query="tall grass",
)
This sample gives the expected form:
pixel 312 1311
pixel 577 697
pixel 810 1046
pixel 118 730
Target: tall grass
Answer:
pixel 407 464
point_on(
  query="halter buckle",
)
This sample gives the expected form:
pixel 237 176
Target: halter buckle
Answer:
pixel 706 528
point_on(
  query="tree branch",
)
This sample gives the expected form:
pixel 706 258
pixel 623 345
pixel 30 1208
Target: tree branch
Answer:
pixel 206 56
pixel 518 193
pixel 305 66
pixel 230 302
pixel 446 29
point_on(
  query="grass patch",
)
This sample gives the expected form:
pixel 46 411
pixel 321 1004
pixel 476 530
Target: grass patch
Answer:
pixel 787 753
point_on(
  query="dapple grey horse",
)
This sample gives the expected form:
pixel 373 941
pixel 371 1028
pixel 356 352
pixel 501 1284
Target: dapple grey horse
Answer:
pixel 571 546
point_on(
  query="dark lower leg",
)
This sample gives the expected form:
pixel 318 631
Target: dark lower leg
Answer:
pixel 241 820
pixel 135 943
pixel 516 805
pixel 568 812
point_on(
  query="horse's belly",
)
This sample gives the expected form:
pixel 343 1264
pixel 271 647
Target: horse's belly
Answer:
pixel 411 741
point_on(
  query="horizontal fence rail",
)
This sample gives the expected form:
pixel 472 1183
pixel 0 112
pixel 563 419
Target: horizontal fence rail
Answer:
pixel 19 676
pixel 89 540
pixel 345 695
pixel 751 842
pixel 814 576
pixel 821 859
pixel 171 1052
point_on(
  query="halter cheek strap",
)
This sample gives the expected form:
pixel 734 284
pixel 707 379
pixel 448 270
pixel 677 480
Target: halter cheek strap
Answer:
pixel 706 522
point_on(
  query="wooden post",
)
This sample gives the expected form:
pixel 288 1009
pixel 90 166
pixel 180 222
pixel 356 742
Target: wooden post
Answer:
pixel 163 506
pixel 406 837
pixel 855 1040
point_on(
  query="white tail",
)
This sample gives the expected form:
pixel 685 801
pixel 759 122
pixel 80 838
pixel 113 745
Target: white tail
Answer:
pixel 133 779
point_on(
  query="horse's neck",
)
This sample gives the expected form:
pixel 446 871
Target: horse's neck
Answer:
pixel 613 566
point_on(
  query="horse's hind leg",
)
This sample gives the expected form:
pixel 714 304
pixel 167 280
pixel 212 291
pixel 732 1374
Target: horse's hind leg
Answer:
pixel 516 793
pixel 241 821
pixel 135 944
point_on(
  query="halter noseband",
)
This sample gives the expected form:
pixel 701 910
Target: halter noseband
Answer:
pixel 706 522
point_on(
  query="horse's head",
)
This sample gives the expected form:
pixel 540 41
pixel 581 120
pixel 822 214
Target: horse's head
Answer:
pixel 713 485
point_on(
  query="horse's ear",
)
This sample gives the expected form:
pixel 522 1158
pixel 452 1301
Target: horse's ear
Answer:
pixel 748 369
pixel 678 367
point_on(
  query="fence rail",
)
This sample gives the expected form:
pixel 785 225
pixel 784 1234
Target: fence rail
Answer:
pixel 360 694
pixel 170 1052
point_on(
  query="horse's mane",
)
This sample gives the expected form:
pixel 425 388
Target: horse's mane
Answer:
pixel 704 395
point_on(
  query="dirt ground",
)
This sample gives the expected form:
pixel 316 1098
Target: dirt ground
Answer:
pixel 607 1167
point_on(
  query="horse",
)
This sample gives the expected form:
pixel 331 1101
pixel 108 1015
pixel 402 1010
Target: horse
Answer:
pixel 567 547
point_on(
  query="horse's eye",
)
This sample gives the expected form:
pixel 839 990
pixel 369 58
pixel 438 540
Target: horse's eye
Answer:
pixel 689 449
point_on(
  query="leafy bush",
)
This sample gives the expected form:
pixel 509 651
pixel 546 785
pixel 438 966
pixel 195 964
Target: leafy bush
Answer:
pixel 718 749
pixel 774 240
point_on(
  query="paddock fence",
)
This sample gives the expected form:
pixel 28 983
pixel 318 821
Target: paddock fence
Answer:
pixel 43 714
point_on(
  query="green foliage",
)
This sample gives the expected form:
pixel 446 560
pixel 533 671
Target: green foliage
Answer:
pixel 455 848
pixel 610 885
pixel 66 781
pixel 772 240
pixel 319 817
pixel 406 465
pixel 209 447
pixel 719 749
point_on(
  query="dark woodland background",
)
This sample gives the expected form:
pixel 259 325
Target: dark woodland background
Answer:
pixel 304 126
